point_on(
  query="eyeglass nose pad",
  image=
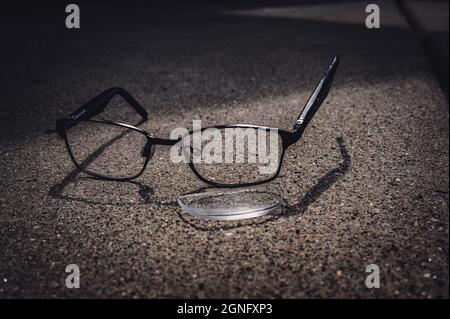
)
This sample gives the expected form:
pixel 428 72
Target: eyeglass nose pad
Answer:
pixel 148 150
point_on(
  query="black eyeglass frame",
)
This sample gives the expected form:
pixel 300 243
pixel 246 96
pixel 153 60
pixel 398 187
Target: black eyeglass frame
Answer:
pixel 98 104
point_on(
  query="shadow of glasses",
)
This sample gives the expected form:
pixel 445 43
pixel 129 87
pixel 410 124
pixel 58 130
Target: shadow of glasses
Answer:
pixel 145 192
pixel 299 208
pixel 147 196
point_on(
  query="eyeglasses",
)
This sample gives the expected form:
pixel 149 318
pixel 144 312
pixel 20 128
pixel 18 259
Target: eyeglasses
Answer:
pixel 229 156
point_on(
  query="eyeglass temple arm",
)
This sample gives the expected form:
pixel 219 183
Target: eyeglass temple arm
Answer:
pixel 98 104
pixel 317 97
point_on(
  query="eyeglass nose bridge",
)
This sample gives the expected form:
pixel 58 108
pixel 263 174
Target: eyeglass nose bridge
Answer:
pixel 148 150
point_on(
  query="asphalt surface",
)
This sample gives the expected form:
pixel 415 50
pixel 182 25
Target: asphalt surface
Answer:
pixel 367 184
pixel 429 20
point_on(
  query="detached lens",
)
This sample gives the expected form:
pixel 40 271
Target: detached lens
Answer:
pixel 232 204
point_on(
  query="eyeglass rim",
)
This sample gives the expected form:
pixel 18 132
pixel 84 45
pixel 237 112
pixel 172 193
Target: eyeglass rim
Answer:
pixel 287 139
pixel 97 175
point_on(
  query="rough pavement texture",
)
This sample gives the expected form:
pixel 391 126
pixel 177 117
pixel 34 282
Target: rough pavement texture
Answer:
pixel 367 184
